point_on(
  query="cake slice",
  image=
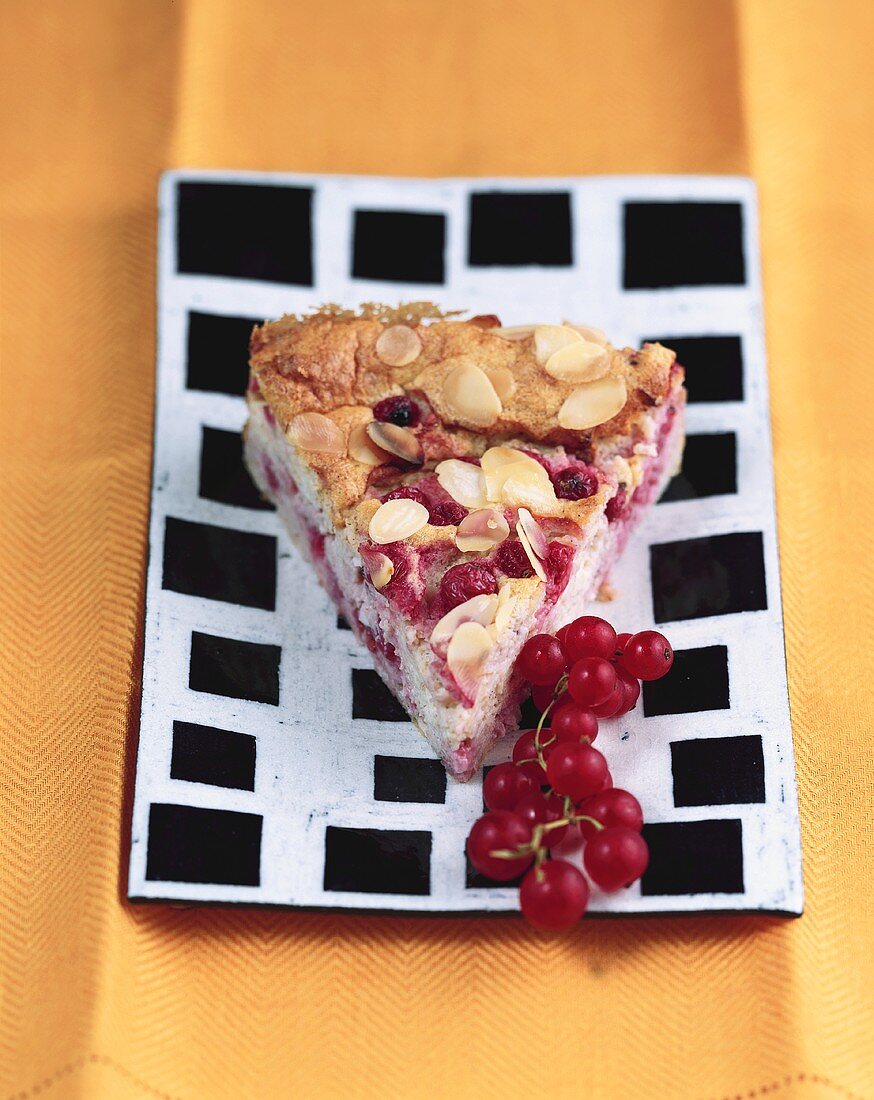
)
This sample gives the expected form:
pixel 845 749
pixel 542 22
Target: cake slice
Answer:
pixel 457 486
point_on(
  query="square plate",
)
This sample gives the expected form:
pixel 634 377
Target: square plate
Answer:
pixel 273 766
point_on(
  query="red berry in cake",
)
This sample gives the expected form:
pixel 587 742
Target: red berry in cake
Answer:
pixel 463 582
pixel 615 857
pixel 575 483
pixel 504 785
pixel 449 513
pixel 616 506
pixel 558 562
pixel 525 754
pixel 541 660
pixel 499 830
pixel 553 896
pixel 398 410
pixel 591 681
pixel 571 722
pixel 647 655
pixel 510 558
pixel 612 807
pixel 631 687
pixel 406 492
pixel 613 703
pixel 576 770
pixel 538 809
pixel 589 636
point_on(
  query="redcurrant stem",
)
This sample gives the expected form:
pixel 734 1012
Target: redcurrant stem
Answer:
pixel 556 691
pixel 577 818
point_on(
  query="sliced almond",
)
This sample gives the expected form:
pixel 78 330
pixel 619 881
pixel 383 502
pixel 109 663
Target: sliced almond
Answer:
pixel 504 383
pixel 466 655
pixel 363 449
pixel 580 362
pixel 397 441
pixel 464 482
pixel 548 339
pixel 312 431
pixel 506 606
pixel 397 519
pixel 532 557
pixel 589 332
pixel 481 530
pixel 380 568
pixel 514 332
pixel 471 397
pixel 500 463
pixel 479 609
pixel 592 403
pixel 398 346
pixel 534 533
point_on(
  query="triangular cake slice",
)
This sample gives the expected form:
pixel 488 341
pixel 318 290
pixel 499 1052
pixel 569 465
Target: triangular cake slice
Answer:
pixel 458 486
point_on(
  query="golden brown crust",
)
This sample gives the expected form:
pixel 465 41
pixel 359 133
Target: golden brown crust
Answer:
pixel 328 363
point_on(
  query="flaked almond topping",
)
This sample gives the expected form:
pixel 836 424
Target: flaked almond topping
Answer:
pixel 534 533
pixel 363 449
pixel 536 564
pixel 312 431
pixel 506 606
pixel 479 609
pixel 397 519
pixel 580 362
pixel 466 655
pixel 514 332
pixel 548 339
pixel 397 441
pixel 592 403
pixel 471 397
pixel 589 332
pixel 504 383
pixel 398 346
pixel 481 530
pixel 501 463
pixel 380 569
pixel 464 482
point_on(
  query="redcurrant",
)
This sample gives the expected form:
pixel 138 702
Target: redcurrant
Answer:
pixel 621 641
pixel 591 681
pixel 541 695
pixel 613 807
pixel 613 703
pixel 553 896
pixel 615 857
pixel 504 785
pixel 541 660
pixel 538 809
pixel 525 754
pixel 589 636
pixel 576 770
pixel 632 691
pixel 499 830
pixel 571 722
pixel 647 655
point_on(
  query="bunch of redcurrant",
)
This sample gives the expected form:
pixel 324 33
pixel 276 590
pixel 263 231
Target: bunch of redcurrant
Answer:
pixel 557 785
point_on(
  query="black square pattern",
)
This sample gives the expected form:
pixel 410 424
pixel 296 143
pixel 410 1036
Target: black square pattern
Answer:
pixel 520 229
pixel 698 681
pixel 716 575
pixel 246 231
pixel 234 668
pixel 377 861
pixel 342 624
pixel 709 468
pixel 713 364
pixel 396 246
pixel 683 244
pixel 223 474
pixel 529 715
pixel 694 857
pixel 192 844
pixel 222 758
pixel 407 779
pixel 718 771
pixel 220 563
pixel 218 353
pixel 372 699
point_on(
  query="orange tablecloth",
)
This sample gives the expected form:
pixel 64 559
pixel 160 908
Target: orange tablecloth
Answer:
pixel 101 999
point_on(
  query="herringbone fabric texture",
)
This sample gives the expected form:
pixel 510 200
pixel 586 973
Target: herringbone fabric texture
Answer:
pixel 103 1000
